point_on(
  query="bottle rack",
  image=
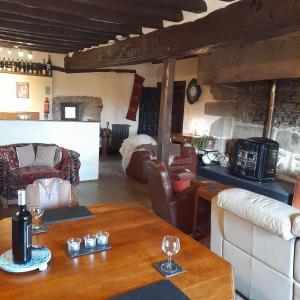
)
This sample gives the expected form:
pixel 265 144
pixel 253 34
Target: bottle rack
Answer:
pixel 38 66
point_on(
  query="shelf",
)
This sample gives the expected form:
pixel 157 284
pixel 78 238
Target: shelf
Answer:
pixel 26 74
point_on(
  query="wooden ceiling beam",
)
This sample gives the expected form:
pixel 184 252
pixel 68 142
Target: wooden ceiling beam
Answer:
pixel 132 9
pixel 64 19
pixel 18 40
pixel 196 6
pixel 87 11
pixel 30 46
pixel 39 48
pixel 59 39
pixel 45 30
pixel 242 21
pixel 31 21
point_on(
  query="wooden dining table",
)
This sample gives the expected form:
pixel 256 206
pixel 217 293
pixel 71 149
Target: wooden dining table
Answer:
pixel 135 235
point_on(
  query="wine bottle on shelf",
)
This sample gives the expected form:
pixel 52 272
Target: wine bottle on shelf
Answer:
pixel 49 66
pixel 21 232
pixel 5 65
pixel 26 67
pixel 13 66
pixel 34 71
pixel 17 66
pixel 44 69
pixel 30 71
pixel 8 65
pixel 22 66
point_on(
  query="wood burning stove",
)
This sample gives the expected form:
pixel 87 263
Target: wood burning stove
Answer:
pixel 255 158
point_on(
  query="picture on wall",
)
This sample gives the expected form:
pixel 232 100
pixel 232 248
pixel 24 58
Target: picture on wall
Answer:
pixel 22 90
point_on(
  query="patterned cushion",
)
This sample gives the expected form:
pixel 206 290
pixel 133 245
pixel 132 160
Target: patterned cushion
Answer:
pixel 10 156
pixel 44 156
pixel 23 176
pixel 25 155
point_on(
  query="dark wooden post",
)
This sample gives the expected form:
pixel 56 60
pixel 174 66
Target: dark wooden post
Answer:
pixel 165 115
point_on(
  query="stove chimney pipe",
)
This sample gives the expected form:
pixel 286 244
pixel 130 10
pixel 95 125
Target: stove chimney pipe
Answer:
pixel 268 129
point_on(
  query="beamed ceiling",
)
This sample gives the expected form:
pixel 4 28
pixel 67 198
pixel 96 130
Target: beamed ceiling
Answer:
pixel 64 26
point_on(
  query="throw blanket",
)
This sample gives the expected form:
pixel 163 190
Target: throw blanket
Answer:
pixel 129 146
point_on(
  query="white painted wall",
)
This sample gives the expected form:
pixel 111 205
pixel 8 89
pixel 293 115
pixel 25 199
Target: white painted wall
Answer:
pixel 37 94
pixel 194 120
pixel 114 88
pixel 82 137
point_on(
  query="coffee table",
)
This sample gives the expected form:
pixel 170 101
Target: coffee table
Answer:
pixel 136 236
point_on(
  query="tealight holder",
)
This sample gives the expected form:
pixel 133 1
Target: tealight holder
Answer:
pixel 74 244
pixel 92 243
pixel 89 240
pixel 102 237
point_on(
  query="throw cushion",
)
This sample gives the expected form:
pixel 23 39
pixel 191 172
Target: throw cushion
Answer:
pixel 10 156
pixel 45 156
pixel 180 185
pixel 25 155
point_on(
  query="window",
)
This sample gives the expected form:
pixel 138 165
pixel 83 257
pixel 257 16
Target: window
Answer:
pixel 69 112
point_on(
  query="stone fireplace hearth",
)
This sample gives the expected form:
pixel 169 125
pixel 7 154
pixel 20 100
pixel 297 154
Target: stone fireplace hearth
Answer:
pixel 89 108
pixel 243 111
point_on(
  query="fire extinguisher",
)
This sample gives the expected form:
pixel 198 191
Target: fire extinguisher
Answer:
pixel 46 108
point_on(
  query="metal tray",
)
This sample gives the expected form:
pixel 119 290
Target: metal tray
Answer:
pixel 83 250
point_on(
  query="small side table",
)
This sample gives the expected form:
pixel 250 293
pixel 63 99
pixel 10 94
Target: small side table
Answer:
pixel 206 191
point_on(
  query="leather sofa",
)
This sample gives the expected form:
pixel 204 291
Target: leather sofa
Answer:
pixel 175 208
pixel 183 158
pixel 259 236
pixel 13 178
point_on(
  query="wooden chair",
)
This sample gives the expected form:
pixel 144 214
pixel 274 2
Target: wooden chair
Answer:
pixel 51 193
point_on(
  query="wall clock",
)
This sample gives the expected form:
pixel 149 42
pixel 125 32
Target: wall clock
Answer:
pixel 193 91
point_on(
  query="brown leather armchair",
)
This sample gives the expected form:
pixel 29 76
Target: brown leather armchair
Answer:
pixel 138 163
pixel 175 208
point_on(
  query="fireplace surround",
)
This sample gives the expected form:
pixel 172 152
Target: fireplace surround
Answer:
pixel 76 108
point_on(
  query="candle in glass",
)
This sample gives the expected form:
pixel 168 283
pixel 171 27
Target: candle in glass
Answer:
pixel 73 244
pixel 102 237
pixel 89 240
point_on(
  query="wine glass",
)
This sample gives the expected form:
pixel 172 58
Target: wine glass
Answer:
pixel 170 245
pixel 36 211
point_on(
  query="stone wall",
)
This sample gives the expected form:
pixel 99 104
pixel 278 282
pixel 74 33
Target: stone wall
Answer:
pixel 243 112
pixel 89 107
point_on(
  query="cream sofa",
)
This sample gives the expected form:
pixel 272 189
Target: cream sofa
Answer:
pixel 259 237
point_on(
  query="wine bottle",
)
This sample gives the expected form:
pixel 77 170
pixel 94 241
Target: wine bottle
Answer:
pixel 22 66
pixel 21 232
pixel 49 66
pixel 44 69
pixel 18 66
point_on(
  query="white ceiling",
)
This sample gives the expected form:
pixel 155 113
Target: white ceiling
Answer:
pixel 190 17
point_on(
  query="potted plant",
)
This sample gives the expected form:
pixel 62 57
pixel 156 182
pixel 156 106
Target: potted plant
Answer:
pixel 204 142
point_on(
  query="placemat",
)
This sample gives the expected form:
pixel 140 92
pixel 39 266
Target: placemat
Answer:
pixel 63 214
pixel 162 290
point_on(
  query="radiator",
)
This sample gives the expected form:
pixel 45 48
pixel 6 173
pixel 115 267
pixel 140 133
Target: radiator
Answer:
pixel 120 132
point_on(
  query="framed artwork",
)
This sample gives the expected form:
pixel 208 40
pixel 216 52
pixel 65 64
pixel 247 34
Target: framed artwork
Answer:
pixel 22 89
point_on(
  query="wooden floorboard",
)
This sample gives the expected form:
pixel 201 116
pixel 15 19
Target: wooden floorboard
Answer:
pixel 113 187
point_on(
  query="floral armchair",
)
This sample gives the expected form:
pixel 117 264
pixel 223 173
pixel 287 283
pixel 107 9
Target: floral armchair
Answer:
pixel 12 177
